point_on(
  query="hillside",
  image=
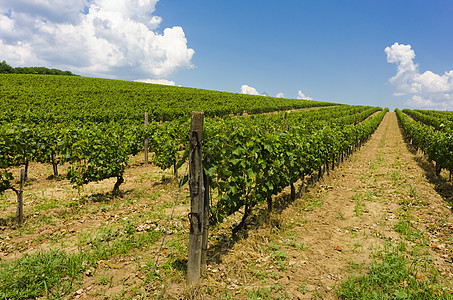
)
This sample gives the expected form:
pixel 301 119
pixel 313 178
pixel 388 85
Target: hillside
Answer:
pixel 60 98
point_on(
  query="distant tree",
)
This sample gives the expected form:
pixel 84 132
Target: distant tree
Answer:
pixel 6 69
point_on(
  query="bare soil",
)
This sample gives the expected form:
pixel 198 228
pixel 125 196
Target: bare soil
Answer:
pixel 303 250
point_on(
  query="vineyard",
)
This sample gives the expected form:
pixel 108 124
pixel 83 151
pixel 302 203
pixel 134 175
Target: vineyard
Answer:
pixel 433 134
pixel 57 99
pixel 95 212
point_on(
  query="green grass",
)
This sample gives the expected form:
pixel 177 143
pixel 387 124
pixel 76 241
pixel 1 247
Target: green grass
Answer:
pixel 313 203
pixel 404 227
pixel 359 207
pixel 394 276
pixel 268 293
pixel 395 176
pixel 4 203
pixel 53 273
pixel 49 273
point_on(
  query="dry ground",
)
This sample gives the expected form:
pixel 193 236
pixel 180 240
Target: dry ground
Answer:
pixel 304 250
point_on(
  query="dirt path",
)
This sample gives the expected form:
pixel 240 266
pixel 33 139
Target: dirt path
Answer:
pixel 331 232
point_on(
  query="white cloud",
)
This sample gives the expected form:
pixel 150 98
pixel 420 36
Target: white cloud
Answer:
pixel 157 81
pixel 301 95
pixel 280 95
pixel 110 38
pixel 245 89
pixel 427 90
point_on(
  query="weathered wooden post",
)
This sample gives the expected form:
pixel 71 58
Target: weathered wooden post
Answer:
pixel 204 243
pixel 146 139
pixel 196 199
pixel 20 199
pixel 54 165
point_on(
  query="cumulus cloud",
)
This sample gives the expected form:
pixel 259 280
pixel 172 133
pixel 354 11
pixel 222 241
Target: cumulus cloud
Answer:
pixel 157 81
pixel 113 38
pixel 301 95
pixel 426 90
pixel 280 95
pixel 245 89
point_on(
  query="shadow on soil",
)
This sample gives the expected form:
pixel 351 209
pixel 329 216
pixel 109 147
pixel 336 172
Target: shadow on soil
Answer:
pixel 260 217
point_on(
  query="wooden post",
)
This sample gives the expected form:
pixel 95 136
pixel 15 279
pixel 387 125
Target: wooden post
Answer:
pixel 27 163
pixel 205 237
pixel 146 139
pixel 20 199
pixel 54 165
pixel 302 186
pixel 196 199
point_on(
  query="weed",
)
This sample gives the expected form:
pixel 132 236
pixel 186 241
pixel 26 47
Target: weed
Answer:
pixel 397 163
pixel 280 257
pixel 393 276
pixel 4 203
pixel 314 203
pixel 292 242
pixel 261 293
pixel 379 159
pixel 354 266
pixel 302 247
pixel 46 204
pixel 268 293
pixel 358 208
pixel 44 220
pixel 274 247
pixel 48 274
pixel 105 280
pixel 395 176
pixel 303 287
pixel 356 246
pixel 413 192
pixel 404 227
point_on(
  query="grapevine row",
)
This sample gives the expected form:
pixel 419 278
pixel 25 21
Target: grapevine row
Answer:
pixel 431 118
pixel 436 144
pixel 248 163
pixel 98 151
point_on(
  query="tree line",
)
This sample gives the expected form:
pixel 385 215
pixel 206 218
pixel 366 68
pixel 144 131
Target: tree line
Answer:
pixel 7 69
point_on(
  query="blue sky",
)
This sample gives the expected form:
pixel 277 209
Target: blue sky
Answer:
pixel 325 50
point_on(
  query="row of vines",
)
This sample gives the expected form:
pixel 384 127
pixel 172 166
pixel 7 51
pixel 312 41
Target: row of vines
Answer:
pixel 431 133
pixel 248 158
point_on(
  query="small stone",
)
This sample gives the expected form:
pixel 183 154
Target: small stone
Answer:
pixel 89 272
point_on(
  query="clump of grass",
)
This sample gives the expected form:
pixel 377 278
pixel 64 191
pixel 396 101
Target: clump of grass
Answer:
pixel 276 291
pixel 404 227
pixel 395 176
pixel 49 273
pixel 53 273
pixel 394 276
pixel 359 207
